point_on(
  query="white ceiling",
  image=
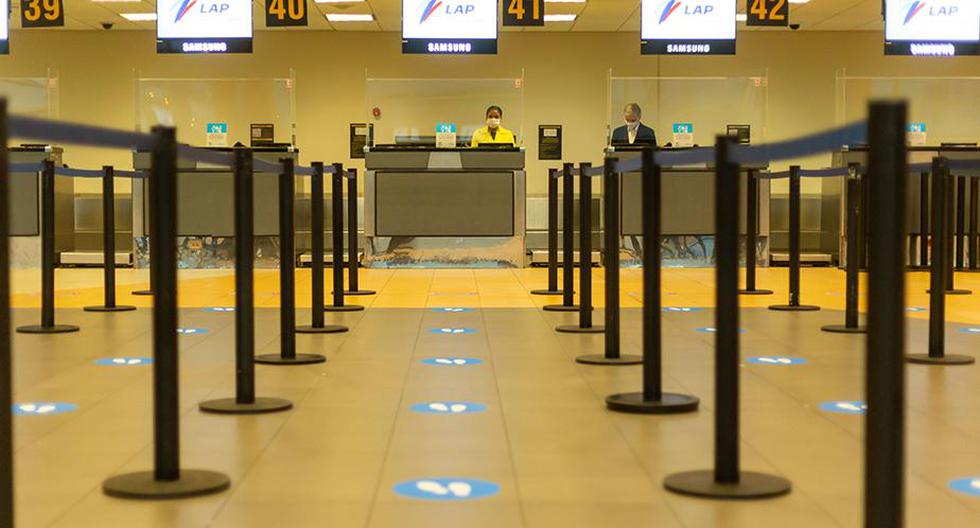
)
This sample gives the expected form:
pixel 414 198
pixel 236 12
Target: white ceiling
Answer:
pixel 594 15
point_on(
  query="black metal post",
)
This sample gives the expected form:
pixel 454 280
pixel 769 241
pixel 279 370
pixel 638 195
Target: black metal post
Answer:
pixel 726 480
pixel 109 246
pixel 960 235
pixel 353 251
pixel 552 288
pixel 6 368
pixel 245 401
pixel 924 220
pixel 974 197
pixel 851 325
pixel 952 238
pixel 884 454
pixel 937 277
pixel 610 254
pixel 652 399
pixel 794 248
pixel 584 325
pixel 337 241
pixel 751 233
pixel 317 325
pixel 47 325
pixel 167 480
pixel 287 275
pixel 568 244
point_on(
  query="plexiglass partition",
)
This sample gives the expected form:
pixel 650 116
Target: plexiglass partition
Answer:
pixel 32 96
pixel 190 104
pixel 408 110
pixel 710 104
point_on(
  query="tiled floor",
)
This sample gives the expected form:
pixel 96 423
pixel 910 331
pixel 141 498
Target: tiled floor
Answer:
pixel 560 459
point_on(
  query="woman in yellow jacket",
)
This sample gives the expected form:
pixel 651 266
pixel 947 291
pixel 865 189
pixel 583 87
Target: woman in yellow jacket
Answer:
pixel 493 132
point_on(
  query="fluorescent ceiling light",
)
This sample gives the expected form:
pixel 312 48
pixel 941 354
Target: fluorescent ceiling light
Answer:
pixel 564 1
pixel 741 17
pixel 338 1
pixel 559 18
pixel 350 17
pixel 799 1
pixel 120 1
pixel 139 17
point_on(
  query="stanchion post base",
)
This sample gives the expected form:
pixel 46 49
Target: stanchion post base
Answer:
pixel 300 359
pixel 948 359
pixel 547 292
pixel 755 292
pixel 359 292
pixel 39 329
pixel 844 329
pixel 143 485
pixel 600 359
pixel 116 308
pixel 635 403
pixel 576 329
pixel 141 292
pixel 344 308
pixel 560 308
pixel 751 485
pixel 259 406
pixel 794 308
pixel 325 329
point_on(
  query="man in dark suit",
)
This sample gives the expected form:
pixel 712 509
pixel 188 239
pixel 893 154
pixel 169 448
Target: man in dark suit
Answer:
pixel 633 132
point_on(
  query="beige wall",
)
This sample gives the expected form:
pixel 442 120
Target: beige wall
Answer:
pixel 565 73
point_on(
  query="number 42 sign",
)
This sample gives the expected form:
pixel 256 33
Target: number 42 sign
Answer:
pixel 767 12
pixel 523 12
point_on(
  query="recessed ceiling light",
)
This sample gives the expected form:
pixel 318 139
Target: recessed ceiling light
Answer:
pixel 350 17
pixel 139 17
pixel 559 18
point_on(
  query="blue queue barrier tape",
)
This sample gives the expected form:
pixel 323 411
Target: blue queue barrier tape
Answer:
pixel 304 171
pixel 61 132
pixel 803 146
pixel 24 167
pixel 206 156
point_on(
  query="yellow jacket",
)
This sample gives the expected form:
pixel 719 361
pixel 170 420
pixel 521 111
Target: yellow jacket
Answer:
pixel 482 135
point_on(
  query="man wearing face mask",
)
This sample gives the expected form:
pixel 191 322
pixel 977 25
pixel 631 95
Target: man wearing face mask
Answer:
pixel 493 132
pixel 633 132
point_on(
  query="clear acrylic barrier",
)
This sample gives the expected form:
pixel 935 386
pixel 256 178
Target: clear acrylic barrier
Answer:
pixel 708 103
pixel 947 105
pixel 32 96
pixel 190 104
pixel 413 107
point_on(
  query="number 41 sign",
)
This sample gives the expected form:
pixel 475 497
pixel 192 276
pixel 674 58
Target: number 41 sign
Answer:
pixel 767 12
pixel 522 12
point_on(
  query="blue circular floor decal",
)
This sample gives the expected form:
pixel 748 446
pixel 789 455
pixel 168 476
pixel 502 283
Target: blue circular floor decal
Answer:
pixel 448 407
pixel 452 331
pixel 682 309
pixel 775 360
pixel 451 361
pixel 844 407
pixel 453 310
pixel 915 309
pixel 220 309
pixel 970 330
pixel 192 331
pixel 711 330
pixel 123 361
pixel 42 408
pixel 969 485
pixel 447 489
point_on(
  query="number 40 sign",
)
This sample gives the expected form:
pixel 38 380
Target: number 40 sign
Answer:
pixel 767 12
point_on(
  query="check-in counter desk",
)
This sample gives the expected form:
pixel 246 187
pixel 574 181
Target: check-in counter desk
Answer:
pixel 923 154
pixel 688 212
pixel 205 211
pixel 25 207
pixel 444 207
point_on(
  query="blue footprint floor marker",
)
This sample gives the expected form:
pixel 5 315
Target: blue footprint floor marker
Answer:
pixel 844 407
pixel 915 309
pixel 968 485
pixel 451 361
pixel 775 360
pixel 123 361
pixel 447 489
pixel 452 331
pixel 42 408
pixel 970 330
pixel 448 407
pixel 220 309
pixel 682 309
pixel 451 309
pixel 711 330
pixel 192 331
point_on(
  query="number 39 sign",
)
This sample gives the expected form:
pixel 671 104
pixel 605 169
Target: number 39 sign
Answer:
pixel 767 12
pixel 42 13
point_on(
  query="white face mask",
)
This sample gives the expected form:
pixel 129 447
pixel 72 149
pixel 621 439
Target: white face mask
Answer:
pixel 493 122
pixel 633 125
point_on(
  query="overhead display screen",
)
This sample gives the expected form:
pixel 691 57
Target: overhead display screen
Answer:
pixel 687 27
pixel 449 27
pixel 204 26
pixel 932 27
pixel 5 28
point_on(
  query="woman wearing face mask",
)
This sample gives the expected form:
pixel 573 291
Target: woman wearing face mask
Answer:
pixel 633 132
pixel 493 132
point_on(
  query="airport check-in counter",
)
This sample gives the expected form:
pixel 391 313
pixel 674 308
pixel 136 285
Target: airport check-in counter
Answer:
pixel 205 211
pixel 25 206
pixel 460 207
pixel 688 211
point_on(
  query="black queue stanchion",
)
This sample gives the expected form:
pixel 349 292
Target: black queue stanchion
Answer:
pixel 245 401
pixel 951 239
pixel 353 266
pixel 552 288
pixel 167 480
pixel 317 325
pixel 337 238
pixel 47 325
pixel 584 325
pixel 794 248
pixel 751 234
pixel 851 325
pixel 937 300
pixel 923 237
pixel 6 370
pixel 884 426
pixel 960 234
pixel 726 480
pixel 974 210
pixel 287 275
pixel 610 249
pixel 567 244
pixel 652 399
pixel 109 246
